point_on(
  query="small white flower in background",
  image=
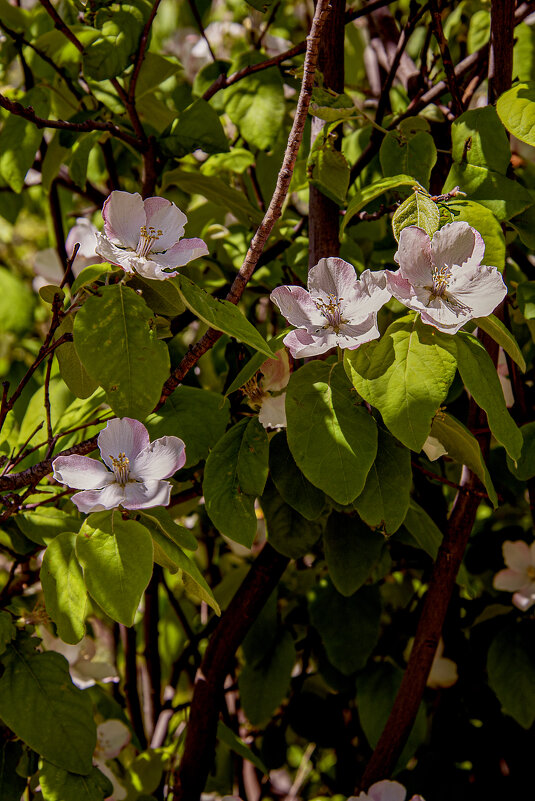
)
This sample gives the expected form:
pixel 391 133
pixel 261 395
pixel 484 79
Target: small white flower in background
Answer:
pixel 385 791
pixel 136 471
pixel 47 266
pixel 142 236
pixel 519 577
pixel 443 278
pixel 84 667
pixel 338 309
pixel 260 393
pixel 112 737
pixel 443 671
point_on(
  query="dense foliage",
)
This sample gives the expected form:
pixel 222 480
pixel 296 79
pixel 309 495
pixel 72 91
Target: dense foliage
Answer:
pixel 267 428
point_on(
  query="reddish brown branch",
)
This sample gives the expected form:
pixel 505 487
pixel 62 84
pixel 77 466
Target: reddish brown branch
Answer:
pixel 451 78
pixel 61 26
pixel 143 42
pixel 502 27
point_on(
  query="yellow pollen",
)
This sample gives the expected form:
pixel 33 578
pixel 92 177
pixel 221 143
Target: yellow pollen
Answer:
pixel 331 311
pixel 531 572
pixel 147 237
pixel 121 468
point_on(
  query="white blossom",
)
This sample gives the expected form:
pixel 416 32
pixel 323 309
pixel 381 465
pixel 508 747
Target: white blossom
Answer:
pixel 519 577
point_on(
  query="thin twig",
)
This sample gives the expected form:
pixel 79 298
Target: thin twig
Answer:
pixel 151 619
pixel 195 11
pixel 49 434
pixel 451 78
pixel 61 26
pixel 140 55
pixel 129 642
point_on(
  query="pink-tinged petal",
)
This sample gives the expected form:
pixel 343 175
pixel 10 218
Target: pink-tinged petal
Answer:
pixel 276 372
pixel 48 266
pixel 517 555
pixel 88 672
pixel 296 304
pixel 523 599
pixel 399 286
pixel 160 459
pixel 81 472
pixel 273 411
pixel 302 344
pixel 373 285
pixel 147 494
pixel 181 253
pixel 433 448
pixel 164 216
pixel 122 435
pixel 332 276
pixel 110 252
pixel 85 234
pixel 414 256
pixel 443 673
pixel 351 336
pixel 457 243
pixel 442 316
pixel 387 791
pixel 112 736
pixel 124 216
pixel 481 288
pixel 509 580
pixel 149 268
pixel 99 500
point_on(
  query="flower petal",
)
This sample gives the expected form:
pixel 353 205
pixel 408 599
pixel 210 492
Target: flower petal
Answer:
pixel 166 217
pixel 181 253
pixel 351 336
pixel 112 736
pixel 414 256
pixel 296 304
pixel 517 555
pixel 479 287
pixel 273 411
pixel 124 216
pixel 276 372
pixel 113 254
pixel 300 343
pixel 85 234
pixel 332 276
pixel 386 790
pixel 159 459
pixel 98 500
pixel 81 472
pixel 509 580
pixel 524 599
pixel 122 435
pixel 48 265
pixel 146 494
pixel 457 243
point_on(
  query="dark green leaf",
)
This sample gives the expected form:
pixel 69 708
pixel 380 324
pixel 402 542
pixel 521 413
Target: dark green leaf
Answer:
pixel 8 631
pixel 525 295
pixel 418 210
pixel 288 532
pixel 59 785
pixel 364 196
pixel 411 153
pixel 160 519
pixel 511 670
pixel 253 459
pixel 264 686
pixel 12 785
pixel 198 126
pixel 525 466
pixel 351 551
pixel 215 190
pixel 20 139
pixel 478 137
pixel 227 736
pixel 516 109
pixel 71 368
pixel 63 587
pixel 503 196
pixel 41 525
pixel 295 489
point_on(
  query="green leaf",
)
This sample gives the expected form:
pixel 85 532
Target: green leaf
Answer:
pixel 484 221
pixel 332 439
pixel 63 587
pixel 406 375
pixel 351 551
pixel 256 104
pixel 59 785
pixel 221 315
pixel 197 416
pixel 198 126
pixel 237 161
pixel 255 363
pixel 348 627
pixel 516 109
pixel 16 304
pixel 418 210
pixel 500 334
pixel 236 744
pixel 294 488
pixel 155 69
pixel 116 557
pixel 264 686
pixel 464 448
pixel 71 368
pixel 482 382
pixel 39 702
pixel 215 190
pixel 411 153
pixel 288 532
pixel 423 529
pixel 8 632
pixel 229 508
pixel 253 459
pixel 49 292
pixel 80 156
pixel 107 54
pixel 479 30
pixel 385 498
pixel 12 785
pixel 511 671
pixel 41 525
pixel 20 140
pixel 261 5
pixel 478 137
pixel 504 197
pixel 524 469
pixel 115 339
pixel 524 52
pixel 162 297
pixel 327 168
pixel 525 295
pixel 375 190
pixel 331 106
pixel 91 274
pixel 159 518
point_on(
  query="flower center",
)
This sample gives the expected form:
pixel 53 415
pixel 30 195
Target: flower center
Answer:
pixel 531 572
pixel 254 393
pixel 121 468
pixel 441 278
pixel 332 312
pixel 147 237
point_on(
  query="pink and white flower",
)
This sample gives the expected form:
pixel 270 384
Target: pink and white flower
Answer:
pixel 385 791
pixel 519 577
pixel 338 310
pixel 112 736
pixel 136 471
pixel 145 236
pixel 443 278
pixel 266 395
pixel 47 266
pixel 84 665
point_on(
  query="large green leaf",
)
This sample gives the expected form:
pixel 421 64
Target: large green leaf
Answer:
pixel 263 686
pixel 524 469
pixel 412 153
pixel 351 551
pixel 71 368
pixel 229 508
pixel 478 137
pixel 332 439
pixel 294 488
pixel 20 139
pixel 253 459
pixel 503 196
pixel 59 785
pixel 159 518
pixel 327 168
pixel 256 104
pixel 12 785
pixel 516 109
pixel 199 417
pixel 385 498
pixel 116 557
pixel 484 221
pixel 511 670
pixel 500 334
pixel 16 304
pixel 288 532
pixel 348 626
pixel 39 702
pixel 63 587
pixel 41 525
pixel 222 315
pixel 406 375
pixel 8 631
pixel 198 126
pixel 419 209
pixel 481 380
pixel 236 744
pixel 369 193
pixel 115 338
pixel 215 190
